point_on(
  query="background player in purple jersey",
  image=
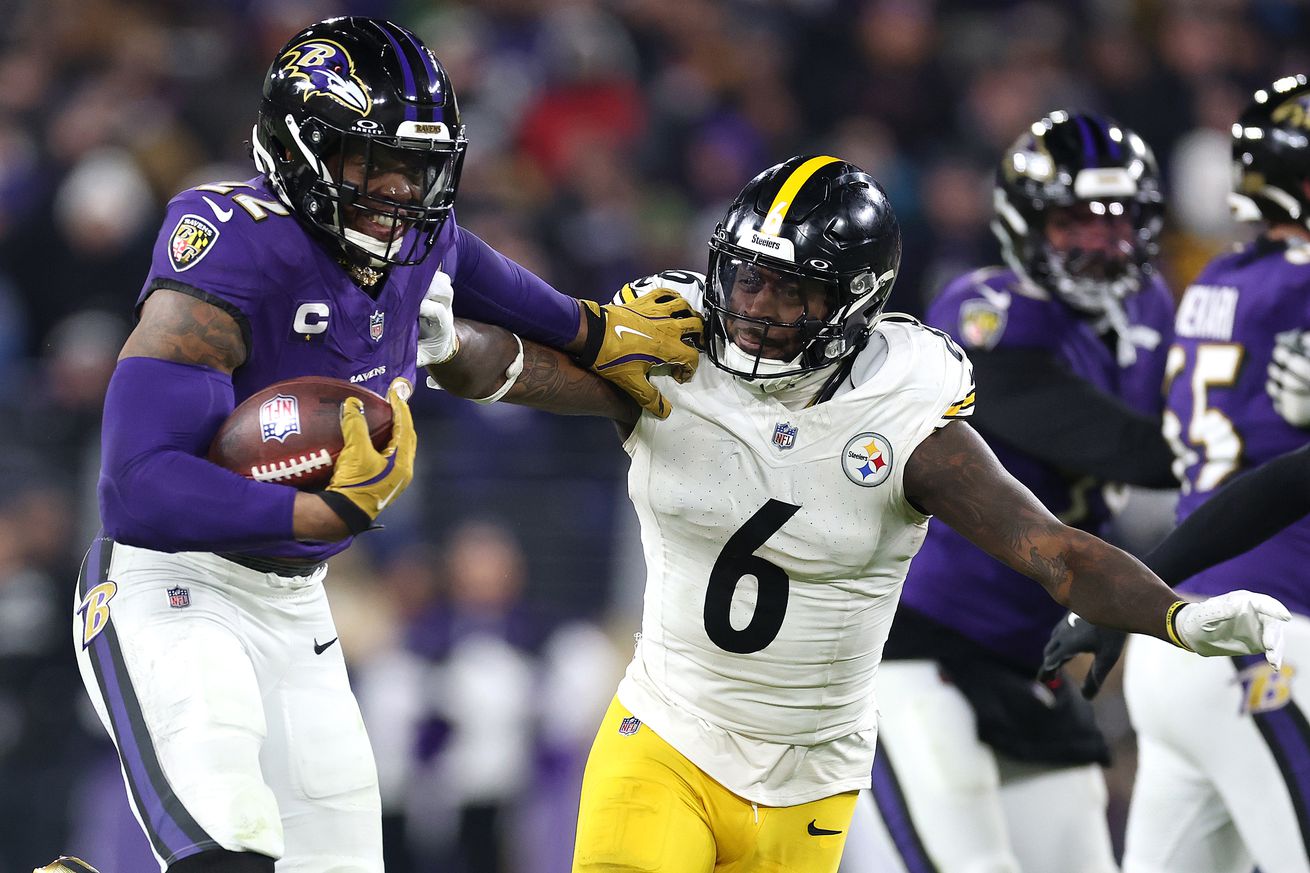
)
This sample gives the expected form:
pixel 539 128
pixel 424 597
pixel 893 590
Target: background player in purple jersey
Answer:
pixel 1068 344
pixel 202 628
pixel 1230 789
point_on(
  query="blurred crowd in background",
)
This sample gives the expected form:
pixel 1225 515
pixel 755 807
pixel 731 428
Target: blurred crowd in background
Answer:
pixel 487 624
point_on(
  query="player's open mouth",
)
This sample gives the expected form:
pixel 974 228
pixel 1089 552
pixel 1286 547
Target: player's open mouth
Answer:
pixel 752 343
pixel 748 343
pixel 380 227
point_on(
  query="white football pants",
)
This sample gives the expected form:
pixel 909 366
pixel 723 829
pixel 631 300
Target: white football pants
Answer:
pixel 1223 765
pixel 945 802
pixel 229 705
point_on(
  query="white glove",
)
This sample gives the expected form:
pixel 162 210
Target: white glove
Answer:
pixel 1236 623
pixel 1289 377
pixel 437 342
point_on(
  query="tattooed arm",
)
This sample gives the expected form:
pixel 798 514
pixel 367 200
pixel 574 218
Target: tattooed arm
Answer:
pixel 180 328
pixel 954 476
pixel 550 379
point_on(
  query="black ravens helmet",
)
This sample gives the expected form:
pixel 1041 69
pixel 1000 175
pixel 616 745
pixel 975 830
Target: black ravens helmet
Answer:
pixel 1271 155
pixel 349 102
pixel 814 224
pixel 1074 160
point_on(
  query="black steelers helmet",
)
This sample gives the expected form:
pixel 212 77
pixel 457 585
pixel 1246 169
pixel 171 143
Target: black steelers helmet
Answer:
pixel 369 91
pixel 809 218
pixel 1067 159
pixel 1271 154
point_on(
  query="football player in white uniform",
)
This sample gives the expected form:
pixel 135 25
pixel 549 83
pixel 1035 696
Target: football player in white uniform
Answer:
pixel 780 505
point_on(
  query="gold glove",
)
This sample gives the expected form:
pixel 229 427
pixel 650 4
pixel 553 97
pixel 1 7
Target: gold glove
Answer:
pixel 625 341
pixel 365 481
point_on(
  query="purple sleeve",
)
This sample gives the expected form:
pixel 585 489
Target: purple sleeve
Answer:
pixel 491 288
pixel 156 489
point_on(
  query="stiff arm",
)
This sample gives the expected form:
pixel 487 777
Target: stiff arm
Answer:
pixel 550 380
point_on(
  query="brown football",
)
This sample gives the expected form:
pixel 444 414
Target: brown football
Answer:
pixel 290 432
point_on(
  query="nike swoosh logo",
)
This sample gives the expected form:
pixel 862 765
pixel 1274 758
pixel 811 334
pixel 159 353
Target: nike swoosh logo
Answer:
pixel 382 504
pixel 999 299
pixel 621 329
pixel 819 832
pixel 223 215
pixel 318 650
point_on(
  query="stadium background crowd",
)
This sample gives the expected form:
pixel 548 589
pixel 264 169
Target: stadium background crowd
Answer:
pixel 486 624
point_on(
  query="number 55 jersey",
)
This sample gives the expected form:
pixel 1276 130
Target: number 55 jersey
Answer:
pixel 1219 418
pixel 776 540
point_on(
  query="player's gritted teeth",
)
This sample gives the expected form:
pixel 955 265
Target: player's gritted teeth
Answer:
pixel 378 226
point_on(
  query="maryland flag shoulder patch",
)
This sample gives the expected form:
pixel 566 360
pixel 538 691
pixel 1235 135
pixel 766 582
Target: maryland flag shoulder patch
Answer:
pixel 190 241
pixel 981 324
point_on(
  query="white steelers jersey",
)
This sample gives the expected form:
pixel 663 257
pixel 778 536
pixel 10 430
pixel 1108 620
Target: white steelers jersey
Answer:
pixel 776 541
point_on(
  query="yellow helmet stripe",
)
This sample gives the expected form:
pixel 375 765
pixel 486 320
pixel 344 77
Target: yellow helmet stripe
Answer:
pixel 787 193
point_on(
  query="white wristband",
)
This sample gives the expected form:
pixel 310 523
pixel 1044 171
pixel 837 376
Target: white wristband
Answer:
pixel 511 375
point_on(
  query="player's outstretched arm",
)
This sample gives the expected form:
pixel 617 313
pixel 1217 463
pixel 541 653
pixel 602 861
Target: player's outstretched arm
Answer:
pixel 545 378
pixel 1249 510
pixel 954 475
pixel 620 341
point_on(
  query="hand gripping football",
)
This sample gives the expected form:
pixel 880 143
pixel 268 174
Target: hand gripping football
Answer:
pixel 290 432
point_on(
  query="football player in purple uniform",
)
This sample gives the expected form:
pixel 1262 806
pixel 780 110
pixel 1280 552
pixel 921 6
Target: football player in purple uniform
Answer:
pixel 201 625
pixel 1223 777
pixel 1068 343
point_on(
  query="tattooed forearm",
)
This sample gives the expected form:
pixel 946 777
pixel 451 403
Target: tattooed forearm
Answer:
pixel 177 327
pixel 551 381
pixel 954 475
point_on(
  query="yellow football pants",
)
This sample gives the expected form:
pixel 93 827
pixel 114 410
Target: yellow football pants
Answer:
pixel 647 808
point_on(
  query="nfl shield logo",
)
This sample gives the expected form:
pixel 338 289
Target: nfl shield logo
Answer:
pixel 179 598
pixel 784 435
pixel 279 417
pixel 629 725
pixel 375 325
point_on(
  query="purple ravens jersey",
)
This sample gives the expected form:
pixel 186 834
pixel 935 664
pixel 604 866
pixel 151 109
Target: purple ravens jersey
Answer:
pixel 1219 418
pixel 235 245
pixel 951 580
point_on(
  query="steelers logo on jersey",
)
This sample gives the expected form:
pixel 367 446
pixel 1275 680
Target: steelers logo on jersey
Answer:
pixel 867 459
